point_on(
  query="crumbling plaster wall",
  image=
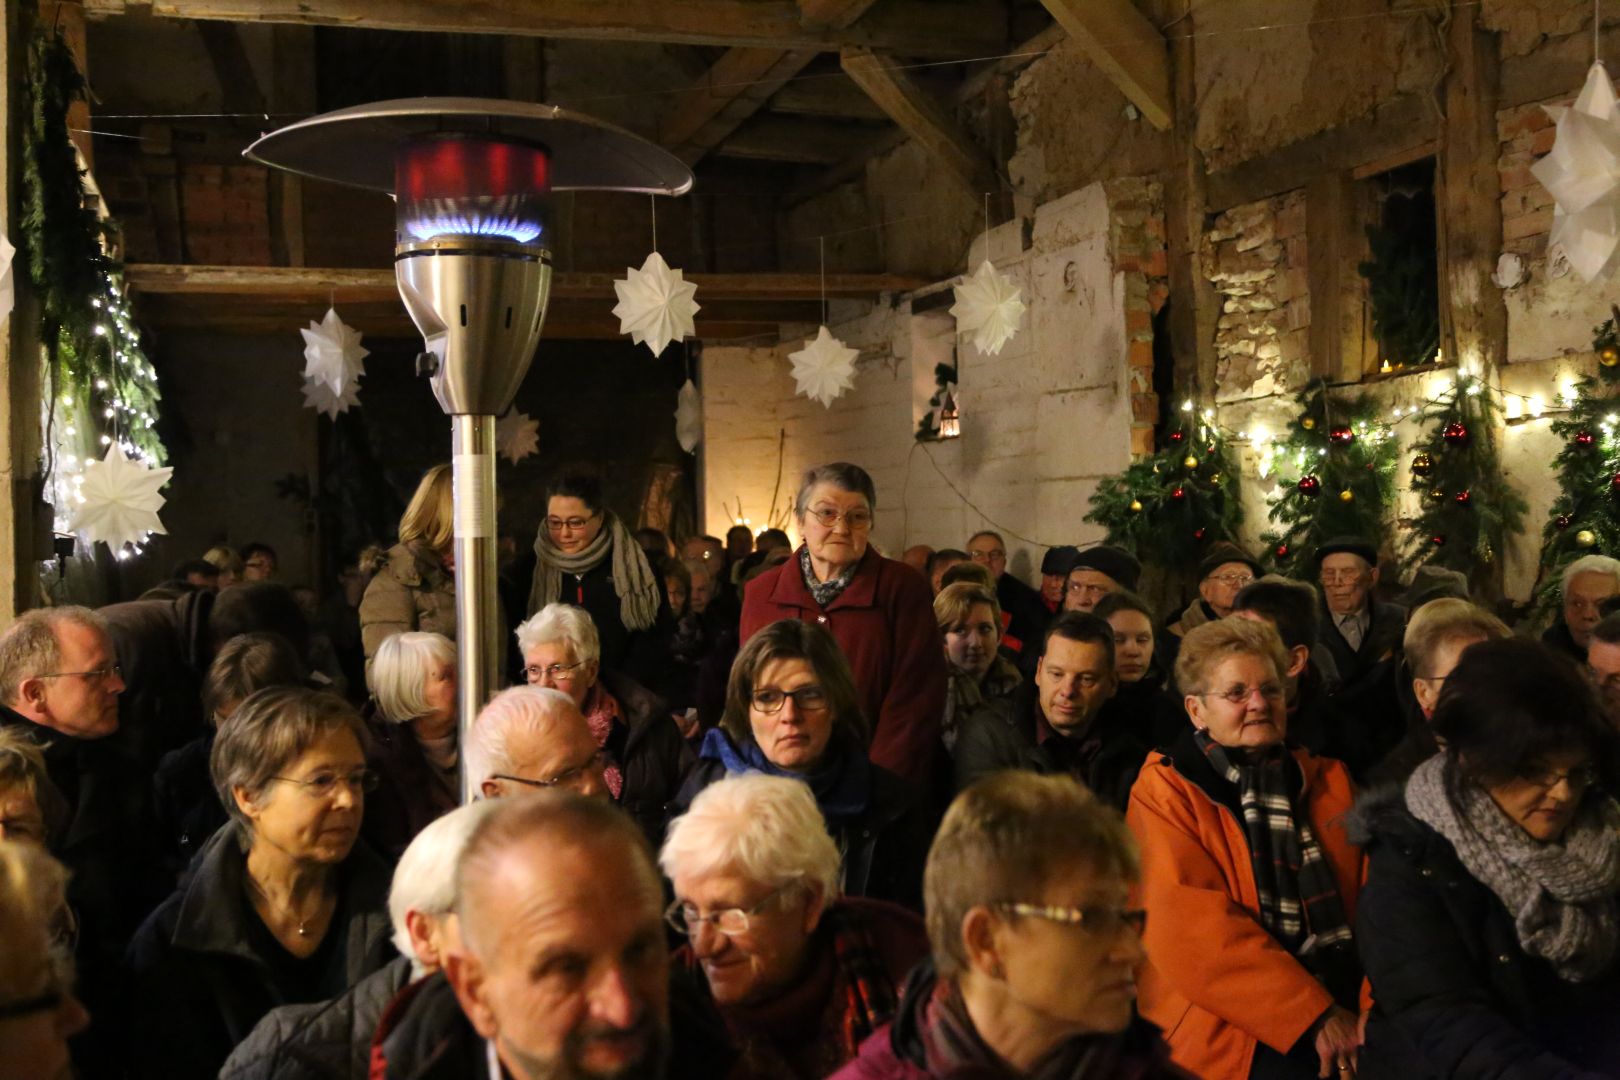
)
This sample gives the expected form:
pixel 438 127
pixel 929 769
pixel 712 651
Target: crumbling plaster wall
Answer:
pixel 1255 256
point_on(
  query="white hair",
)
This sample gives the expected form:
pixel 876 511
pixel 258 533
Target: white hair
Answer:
pixel 561 622
pixel 766 828
pixel 425 879
pixel 532 709
pixel 1590 564
pixel 399 673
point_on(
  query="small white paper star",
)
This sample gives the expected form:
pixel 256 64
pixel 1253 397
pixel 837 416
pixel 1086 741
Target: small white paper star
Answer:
pixel 319 396
pixel 121 500
pixel 688 417
pixel 987 309
pixel 517 435
pixel 656 304
pixel 824 368
pixel 8 285
pixel 332 353
pixel 1582 173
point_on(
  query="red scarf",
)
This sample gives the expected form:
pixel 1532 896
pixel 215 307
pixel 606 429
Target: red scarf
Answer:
pixel 602 713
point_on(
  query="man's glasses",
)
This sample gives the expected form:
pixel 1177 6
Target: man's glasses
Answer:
pixel 1102 921
pixel 98 675
pixel 805 699
pixel 1340 577
pixel 565 778
pixel 828 518
pixel 323 785
pixel 1235 581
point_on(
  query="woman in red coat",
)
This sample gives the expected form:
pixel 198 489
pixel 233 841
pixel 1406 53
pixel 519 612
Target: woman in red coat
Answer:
pixel 880 612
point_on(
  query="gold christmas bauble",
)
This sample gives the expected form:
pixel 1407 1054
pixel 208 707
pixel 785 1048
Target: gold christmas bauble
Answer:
pixel 1215 478
pixel 1437 494
pixel 1609 356
pixel 1136 506
pixel 1190 462
pixel 1347 496
pixel 1586 538
pixel 1308 424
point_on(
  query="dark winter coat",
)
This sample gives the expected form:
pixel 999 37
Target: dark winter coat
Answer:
pixel 411 791
pixel 1455 996
pixel 1385 630
pixel 164 649
pixel 1377 716
pixel 424 1035
pixel 1002 735
pixel 884 621
pixel 1560 639
pixel 1029 614
pixel 197 987
pixel 326 1040
pixel 186 803
pixel 651 752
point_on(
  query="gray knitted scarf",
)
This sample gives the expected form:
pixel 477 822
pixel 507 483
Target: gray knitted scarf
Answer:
pixel 1562 896
pixel 633 578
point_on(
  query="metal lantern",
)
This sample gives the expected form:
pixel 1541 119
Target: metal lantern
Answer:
pixel 472 180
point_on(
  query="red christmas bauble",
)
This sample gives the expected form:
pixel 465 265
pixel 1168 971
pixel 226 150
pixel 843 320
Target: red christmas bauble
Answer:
pixel 1310 485
pixel 1464 498
pixel 1437 540
pixel 1563 521
pixel 1456 433
pixel 1178 493
pixel 1585 440
pixel 1341 435
pixel 1198 533
pixel 1614 485
pixel 1177 436
pixel 1282 551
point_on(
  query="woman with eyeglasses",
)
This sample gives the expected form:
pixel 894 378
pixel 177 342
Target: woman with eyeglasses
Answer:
pixel 1248 876
pixel 414 746
pixel 38 1010
pixel 800 973
pixel 416 587
pixel 284 904
pixel 792 711
pixel 585 556
pixel 1490 922
pixel 644 755
pixel 880 612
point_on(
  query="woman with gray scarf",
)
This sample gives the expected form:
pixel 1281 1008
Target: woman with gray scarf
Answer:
pixel 1489 926
pixel 586 557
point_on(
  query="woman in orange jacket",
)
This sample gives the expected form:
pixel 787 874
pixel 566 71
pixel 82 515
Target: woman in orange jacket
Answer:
pixel 1248 878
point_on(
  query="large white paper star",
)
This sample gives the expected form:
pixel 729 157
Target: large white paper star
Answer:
pixel 517 435
pixel 655 304
pixel 824 368
pixel 332 353
pixel 319 396
pixel 1582 173
pixel 688 417
pixel 8 284
pixel 119 500
pixel 987 308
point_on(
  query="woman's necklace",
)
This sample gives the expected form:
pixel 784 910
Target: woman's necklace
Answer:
pixel 303 922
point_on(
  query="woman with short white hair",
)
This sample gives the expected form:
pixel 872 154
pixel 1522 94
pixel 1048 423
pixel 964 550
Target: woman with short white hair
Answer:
pixel 644 756
pixel 801 975
pixel 413 727
pixel 1583 587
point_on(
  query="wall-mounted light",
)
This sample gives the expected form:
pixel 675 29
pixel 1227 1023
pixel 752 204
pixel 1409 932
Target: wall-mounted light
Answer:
pixel 950 418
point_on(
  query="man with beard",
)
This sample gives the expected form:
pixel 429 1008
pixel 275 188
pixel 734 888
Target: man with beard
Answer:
pixel 560 968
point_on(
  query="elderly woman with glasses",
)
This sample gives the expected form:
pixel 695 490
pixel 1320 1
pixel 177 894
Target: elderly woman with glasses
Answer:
pixel 644 755
pixel 283 905
pixel 1248 876
pixel 879 611
pixel 1036 946
pixel 1490 921
pixel 413 731
pixel 800 974
pixel 792 711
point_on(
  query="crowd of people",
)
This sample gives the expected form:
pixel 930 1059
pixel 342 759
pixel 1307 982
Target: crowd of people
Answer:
pixel 753 811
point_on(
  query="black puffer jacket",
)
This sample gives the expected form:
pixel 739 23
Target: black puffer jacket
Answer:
pixel 652 752
pixel 327 1040
pixel 1456 997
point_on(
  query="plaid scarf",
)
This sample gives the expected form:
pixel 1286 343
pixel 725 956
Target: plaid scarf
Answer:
pixel 869 995
pixel 1299 898
pixel 825 592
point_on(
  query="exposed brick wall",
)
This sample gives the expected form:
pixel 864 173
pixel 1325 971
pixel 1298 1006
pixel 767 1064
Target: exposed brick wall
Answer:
pixel 1526 133
pixel 1141 257
pixel 1255 255
pixel 225 209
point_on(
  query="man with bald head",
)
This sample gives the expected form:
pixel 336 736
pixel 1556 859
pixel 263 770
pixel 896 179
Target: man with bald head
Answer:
pixel 531 738
pixel 560 967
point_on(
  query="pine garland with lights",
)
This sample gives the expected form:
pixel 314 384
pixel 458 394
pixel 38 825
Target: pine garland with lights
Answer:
pixel 1169 507
pixel 1467 509
pixel 1585 517
pixel 1335 469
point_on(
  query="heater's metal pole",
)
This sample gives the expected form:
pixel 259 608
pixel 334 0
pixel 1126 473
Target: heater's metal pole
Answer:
pixel 478 621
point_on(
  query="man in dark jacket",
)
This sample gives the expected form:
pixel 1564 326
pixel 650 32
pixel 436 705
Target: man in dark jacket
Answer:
pixel 1028 616
pixel 1059 722
pixel 1358 630
pixel 561 967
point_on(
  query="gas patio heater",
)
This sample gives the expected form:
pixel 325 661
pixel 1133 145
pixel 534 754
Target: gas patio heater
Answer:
pixel 472 182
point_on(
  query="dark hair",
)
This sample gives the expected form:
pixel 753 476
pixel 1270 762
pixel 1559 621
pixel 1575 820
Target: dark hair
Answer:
pixel 991 533
pixel 245 664
pixel 1511 702
pixel 195 566
pixel 647 535
pixel 840 474
pixel 745 530
pixel 1608 628
pixel 258 547
pixel 968 571
pixel 793 639
pixel 772 538
pixel 1114 602
pixel 1083 626
pixel 581 484
pixel 257 606
pixel 944 555
pixel 1289 604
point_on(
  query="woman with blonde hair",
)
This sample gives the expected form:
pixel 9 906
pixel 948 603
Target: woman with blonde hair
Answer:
pixel 230 564
pixel 416 587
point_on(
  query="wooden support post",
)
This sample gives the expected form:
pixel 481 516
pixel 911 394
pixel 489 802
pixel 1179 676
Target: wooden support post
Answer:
pixel 292 93
pixel 1330 237
pixel 1194 305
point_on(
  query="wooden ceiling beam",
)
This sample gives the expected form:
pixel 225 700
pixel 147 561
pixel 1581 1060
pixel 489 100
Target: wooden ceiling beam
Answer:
pixel 934 29
pixel 794 139
pixel 1129 49
pixel 831 95
pixel 717 104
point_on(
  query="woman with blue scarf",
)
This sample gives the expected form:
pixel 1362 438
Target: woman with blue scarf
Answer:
pixel 792 710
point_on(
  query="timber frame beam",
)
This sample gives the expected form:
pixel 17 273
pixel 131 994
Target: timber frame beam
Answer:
pixel 1129 49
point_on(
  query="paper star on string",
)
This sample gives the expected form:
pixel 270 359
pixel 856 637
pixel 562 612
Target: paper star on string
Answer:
pixel 517 435
pixel 688 417
pixel 1582 173
pixel 8 285
pixel 121 500
pixel 319 396
pixel 332 354
pixel 656 304
pixel 987 309
pixel 824 368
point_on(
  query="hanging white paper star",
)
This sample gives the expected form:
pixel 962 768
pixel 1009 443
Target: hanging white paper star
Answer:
pixel 688 417
pixel 332 353
pixel 517 435
pixel 319 396
pixel 8 286
pixel 987 308
pixel 824 368
pixel 121 500
pixel 1582 173
pixel 655 304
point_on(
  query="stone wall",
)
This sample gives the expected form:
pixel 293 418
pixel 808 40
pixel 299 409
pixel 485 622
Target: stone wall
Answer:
pixel 1255 255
